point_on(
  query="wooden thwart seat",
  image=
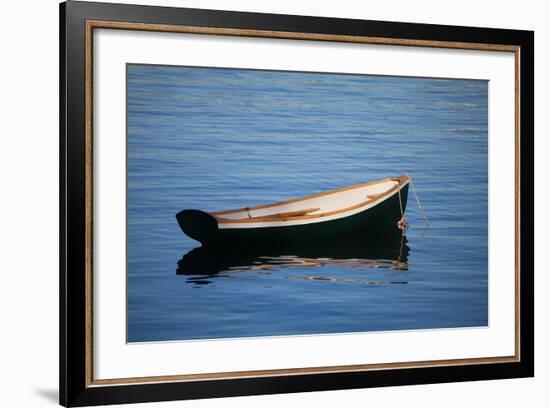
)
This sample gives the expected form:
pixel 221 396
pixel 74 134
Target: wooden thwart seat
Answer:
pixel 375 196
pixel 288 214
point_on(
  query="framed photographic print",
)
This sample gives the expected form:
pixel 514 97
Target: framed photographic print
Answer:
pixel 256 203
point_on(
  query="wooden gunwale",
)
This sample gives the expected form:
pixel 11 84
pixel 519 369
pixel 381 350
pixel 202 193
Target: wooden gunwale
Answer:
pixel 401 182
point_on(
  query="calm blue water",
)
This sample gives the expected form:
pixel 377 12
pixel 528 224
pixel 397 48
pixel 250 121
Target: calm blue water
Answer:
pixel 215 139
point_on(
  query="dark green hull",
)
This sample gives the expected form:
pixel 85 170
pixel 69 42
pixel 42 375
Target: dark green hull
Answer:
pixel 370 224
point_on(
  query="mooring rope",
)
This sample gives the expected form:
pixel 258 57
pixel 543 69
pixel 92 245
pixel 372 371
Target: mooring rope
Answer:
pixel 400 203
pixel 402 223
pixel 417 201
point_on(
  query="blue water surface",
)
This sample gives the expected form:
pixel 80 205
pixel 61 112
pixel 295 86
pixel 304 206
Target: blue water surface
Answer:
pixel 213 139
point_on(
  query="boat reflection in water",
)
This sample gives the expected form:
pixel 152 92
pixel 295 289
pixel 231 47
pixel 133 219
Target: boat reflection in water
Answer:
pixel 352 260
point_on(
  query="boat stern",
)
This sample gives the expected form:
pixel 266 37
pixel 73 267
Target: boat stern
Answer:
pixel 198 225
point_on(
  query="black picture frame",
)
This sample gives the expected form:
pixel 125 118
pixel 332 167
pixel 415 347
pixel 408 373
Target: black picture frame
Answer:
pixel 75 387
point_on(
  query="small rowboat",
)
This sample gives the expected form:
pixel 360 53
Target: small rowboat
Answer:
pixel 365 210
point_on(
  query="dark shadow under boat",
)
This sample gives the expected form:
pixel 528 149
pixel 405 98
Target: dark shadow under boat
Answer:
pixel 388 254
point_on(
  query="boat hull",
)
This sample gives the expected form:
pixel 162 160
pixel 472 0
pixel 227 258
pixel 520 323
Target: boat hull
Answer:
pixel 370 223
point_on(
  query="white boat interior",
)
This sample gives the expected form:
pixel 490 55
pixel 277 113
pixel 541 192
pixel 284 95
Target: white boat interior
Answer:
pixel 318 205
